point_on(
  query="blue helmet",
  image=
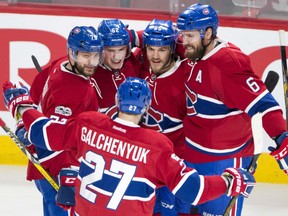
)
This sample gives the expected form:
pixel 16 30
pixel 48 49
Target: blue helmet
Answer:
pixel 84 39
pixel 113 33
pixel 133 96
pixel 160 33
pixel 198 17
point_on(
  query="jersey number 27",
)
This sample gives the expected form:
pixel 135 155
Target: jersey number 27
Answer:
pixel 125 173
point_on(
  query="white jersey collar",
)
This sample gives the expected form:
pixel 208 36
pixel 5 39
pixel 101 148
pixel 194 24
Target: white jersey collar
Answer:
pixel 126 123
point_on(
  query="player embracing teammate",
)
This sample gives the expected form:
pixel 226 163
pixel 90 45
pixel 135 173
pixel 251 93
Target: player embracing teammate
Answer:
pixel 194 103
pixel 63 90
pixel 222 94
pixel 118 63
pixel 216 73
pixel 111 180
pixel 165 73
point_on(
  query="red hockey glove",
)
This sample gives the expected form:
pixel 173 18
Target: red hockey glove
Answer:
pixel 240 182
pixel 65 197
pixel 280 152
pixel 16 95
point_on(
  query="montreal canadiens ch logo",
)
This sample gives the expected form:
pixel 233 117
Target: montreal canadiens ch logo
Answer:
pixel 206 11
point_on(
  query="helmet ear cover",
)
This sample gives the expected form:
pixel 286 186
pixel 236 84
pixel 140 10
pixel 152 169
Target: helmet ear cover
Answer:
pixel 133 96
pixel 198 17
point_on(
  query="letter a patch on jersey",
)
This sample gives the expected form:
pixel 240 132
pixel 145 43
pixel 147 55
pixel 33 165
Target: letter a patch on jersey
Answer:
pixel 199 76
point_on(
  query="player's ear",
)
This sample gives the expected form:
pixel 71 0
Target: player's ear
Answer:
pixel 208 33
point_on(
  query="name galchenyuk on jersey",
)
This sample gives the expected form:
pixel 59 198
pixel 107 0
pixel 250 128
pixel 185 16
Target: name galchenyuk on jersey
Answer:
pixel 114 146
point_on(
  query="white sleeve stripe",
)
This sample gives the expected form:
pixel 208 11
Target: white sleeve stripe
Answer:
pixel 271 109
pixel 182 181
pixel 32 124
pixel 200 192
pixel 45 135
pixel 50 156
pixel 256 100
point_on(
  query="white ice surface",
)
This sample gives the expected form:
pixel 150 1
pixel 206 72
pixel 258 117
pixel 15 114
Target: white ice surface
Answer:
pixel 19 197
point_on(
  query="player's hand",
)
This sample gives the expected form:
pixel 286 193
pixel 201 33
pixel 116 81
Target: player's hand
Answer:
pixel 21 133
pixel 240 182
pixel 15 96
pixel 65 197
pixel 280 152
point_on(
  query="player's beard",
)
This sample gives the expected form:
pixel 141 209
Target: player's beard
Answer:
pixel 86 71
pixel 195 53
pixel 167 64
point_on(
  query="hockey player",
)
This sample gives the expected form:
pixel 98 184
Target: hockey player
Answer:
pixel 121 164
pixel 223 93
pixel 118 64
pixel 64 90
pixel 166 77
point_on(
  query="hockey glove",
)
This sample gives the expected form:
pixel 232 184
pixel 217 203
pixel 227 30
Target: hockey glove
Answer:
pixel 16 95
pixel 280 152
pixel 21 133
pixel 240 182
pixel 65 197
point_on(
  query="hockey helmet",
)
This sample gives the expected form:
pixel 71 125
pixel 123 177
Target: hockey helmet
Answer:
pixel 133 96
pixel 113 33
pixel 85 39
pixel 160 33
pixel 198 17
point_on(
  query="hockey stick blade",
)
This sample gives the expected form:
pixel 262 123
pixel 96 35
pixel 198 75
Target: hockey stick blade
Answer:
pixel 271 80
pixel 30 156
pixel 36 63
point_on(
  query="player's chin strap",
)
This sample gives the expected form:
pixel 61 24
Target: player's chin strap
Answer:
pixel 30 156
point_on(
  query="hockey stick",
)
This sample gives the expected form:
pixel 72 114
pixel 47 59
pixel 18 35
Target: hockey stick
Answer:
pixel 284 68
pixel 30 156
pixel 36 63
pixel 251 169
pixel 270 82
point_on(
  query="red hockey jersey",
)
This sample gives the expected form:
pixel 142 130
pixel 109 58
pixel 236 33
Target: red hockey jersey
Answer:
pixel 223 93
pixel 108 81
pixel 121 164
pixel 168 107
pixel 60 95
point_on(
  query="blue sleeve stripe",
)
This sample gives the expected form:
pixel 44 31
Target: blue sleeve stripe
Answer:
pixel 185 191
pixel 37 135
pixel 263 104
pixel 211 108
